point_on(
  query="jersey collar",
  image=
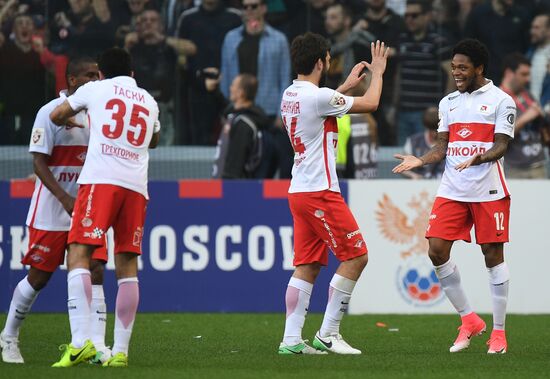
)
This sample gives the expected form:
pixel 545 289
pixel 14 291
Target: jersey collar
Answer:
pixel 485 88
pixel 127 80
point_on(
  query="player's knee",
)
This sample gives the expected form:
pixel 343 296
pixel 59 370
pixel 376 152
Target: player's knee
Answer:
pixel 38 279
pixel 362 261
pixel 437 256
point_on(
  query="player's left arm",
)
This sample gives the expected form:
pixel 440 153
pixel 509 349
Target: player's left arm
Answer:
pixel 504 132
pixel 156 135
pixel 496 152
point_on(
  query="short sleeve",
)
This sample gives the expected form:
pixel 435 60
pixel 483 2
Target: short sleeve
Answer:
pixel 443 125
pixel 407 148
pixel 506 117
pixel 43 132
pixel 332 103
pixel 81 98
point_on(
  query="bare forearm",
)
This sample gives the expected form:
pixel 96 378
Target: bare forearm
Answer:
pixel 45 175
pixel 438 152
pixel 372 96
pixel 494 153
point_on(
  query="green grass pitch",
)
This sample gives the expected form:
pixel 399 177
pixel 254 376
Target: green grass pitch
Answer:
pixel 166 345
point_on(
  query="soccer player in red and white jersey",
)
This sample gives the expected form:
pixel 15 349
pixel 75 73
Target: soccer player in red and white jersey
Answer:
pixel 113 193
pixel 58 156
pixel 476 124
pixel 322 219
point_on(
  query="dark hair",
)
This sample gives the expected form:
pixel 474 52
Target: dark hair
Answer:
pixel 475 50
pixel 425 6
pixel 115 62
pixel 306 50
pixel 513 61
pixel 249 85
pixel 346 10
pixel 76 65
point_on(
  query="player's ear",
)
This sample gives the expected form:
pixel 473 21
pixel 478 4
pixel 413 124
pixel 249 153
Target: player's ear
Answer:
pixel 101 76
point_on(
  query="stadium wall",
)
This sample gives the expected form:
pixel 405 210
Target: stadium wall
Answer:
pixel 213 246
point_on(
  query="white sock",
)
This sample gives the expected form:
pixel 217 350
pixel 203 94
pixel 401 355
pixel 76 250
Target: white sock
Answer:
pixel 339 293
pixel 98 317
pixel 21 302
pixel 449 277
pixel 499 277
pixel 126 307
pixel 297 298
pixel 79 283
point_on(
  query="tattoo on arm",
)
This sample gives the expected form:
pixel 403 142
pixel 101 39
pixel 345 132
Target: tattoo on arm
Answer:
pixel 498 150
pixel 438 152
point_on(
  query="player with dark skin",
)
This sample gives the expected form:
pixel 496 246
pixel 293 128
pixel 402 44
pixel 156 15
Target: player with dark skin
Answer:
pixel 36 277
pixel 468 78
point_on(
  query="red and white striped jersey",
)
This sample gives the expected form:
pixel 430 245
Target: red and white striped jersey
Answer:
pixel 309 115
pixel 67 150
pixel 472 120
pixel 122 120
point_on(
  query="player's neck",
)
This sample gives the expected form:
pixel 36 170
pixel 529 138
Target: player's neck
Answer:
pixel 314 78
pixel 478 84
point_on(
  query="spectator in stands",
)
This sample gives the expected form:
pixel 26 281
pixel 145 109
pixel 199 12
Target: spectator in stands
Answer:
pixel 424 69
pixel 205 26
pixel 306 16
pixel 386 26
pixel 85 30
pixel 239 148
pixel 446 15
pixel 8 9
pixel 539 53
pixel 503 27
pixel 347 46
pixel 22 83
pixel 420 143
pixel 154 63
pixel 262 51
pixel 171 10
pixel 525 158
pixel 125 15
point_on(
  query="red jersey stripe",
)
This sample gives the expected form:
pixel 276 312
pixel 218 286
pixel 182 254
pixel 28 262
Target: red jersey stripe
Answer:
pixel 36 205
pixel 330 125
pixel 200 189
pixel 275 188
pixel 68 155
pixel 471 132
pixel 502 181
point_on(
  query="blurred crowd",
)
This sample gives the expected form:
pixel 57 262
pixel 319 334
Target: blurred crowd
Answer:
pixel 192 55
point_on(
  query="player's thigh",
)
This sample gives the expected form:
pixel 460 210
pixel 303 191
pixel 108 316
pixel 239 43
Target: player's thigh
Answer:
pixel 339 225
pixel 46 250
pixel 96 207
pixel 450 220
pixel 492 220
pixel 128 225
pixel 309 247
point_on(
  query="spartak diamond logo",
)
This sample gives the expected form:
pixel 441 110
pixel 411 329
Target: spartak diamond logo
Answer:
pixel 464 133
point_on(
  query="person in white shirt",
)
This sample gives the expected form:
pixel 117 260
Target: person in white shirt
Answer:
pixel 113 193
pixel 58 156
pixel 476 123
pixel 322 219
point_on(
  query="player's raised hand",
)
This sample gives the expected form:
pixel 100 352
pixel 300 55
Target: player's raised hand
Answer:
pixel 474 161
pixel 355 77
pixel 408 163
pixel 379 53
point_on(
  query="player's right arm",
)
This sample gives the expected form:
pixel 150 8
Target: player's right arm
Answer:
pixel 63 114
pixel 437 153
pixel 370 100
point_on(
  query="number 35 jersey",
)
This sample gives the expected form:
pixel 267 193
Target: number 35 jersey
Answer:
pixel 309 115
pixel 122 118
